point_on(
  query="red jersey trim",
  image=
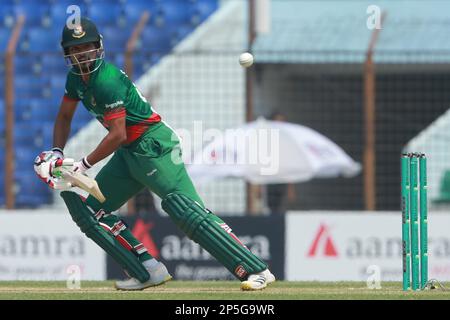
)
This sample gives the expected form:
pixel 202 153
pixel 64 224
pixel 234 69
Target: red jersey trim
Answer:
pixel 67 98
pixel 153 118
pixel 119 113
pixel 137 130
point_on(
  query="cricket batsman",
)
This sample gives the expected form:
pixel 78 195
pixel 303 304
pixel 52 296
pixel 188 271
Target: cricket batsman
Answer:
pixel 143 149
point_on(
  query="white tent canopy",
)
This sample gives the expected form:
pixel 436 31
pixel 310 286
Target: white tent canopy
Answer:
pixel 264 152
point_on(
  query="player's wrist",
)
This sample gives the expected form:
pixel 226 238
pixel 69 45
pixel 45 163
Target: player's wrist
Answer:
pixel 58 151
pixel 85 163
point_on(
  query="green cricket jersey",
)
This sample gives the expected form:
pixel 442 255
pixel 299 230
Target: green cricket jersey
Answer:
pixel 110 94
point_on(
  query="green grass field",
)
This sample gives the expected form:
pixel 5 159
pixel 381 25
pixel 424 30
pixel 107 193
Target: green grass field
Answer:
pixel 216 290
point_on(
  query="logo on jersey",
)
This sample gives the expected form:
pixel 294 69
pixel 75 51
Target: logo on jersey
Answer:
pixel 80 94
pixel 78 32
pixel 93 101
pixel 114 105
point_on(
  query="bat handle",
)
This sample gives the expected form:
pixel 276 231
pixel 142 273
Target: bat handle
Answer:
pixel 67 162
pixel 59 165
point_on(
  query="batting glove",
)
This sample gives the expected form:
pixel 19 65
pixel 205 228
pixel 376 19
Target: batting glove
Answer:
pixel 81 166
pixel 58 153
pixel 43 168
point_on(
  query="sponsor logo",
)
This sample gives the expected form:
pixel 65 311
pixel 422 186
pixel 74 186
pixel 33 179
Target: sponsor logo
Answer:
pixel 356 247
pixel 37 246
pixel 240 271
pixel 176 248
pixel 114 105
pixel 323 243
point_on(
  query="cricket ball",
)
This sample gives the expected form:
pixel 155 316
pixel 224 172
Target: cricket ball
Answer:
pixel 246 59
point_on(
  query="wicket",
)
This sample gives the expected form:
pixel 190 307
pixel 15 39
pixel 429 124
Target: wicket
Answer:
pixel 414 212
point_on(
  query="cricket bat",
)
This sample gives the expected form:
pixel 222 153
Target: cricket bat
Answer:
pixel 84 182
pixel 80 180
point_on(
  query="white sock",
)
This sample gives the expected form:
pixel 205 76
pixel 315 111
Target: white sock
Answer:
pixel 150 263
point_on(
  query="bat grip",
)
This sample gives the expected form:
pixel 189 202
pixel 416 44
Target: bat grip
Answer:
pixel 67 162
pixel 58 163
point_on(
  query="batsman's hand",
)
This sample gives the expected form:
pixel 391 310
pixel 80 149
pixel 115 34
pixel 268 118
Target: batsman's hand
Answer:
pixel 81 166
pixel 68 165
pixel 44 165
pixel 74 166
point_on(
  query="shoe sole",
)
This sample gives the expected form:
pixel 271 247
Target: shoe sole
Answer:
pixel 149 286
pixel 246 286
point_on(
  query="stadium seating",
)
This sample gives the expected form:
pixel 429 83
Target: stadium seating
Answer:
pixel 42 40
pixel 81 116
pixel 54 63
pixel 2 118
pixel 4 38
pixel 35 12
pixel 155 39
pixel 40 70
pixel 118 59
pixel 26 134
pixel 45 133
pixel 30 191
pixel 105 14
pixel 29 86
pixel 21 110
pixel 175 12
pixel 41 111
pixel 27 64
pixel 114 41
pixel 6 15
pixel 134 9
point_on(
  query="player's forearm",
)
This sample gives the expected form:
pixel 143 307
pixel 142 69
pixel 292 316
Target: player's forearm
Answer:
pixel 106 147
pixel 61 131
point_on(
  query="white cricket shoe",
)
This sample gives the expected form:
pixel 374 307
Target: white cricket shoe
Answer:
pixel 258 281
pixel 158 276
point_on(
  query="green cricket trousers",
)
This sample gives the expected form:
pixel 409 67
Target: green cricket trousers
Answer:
pixel 153 161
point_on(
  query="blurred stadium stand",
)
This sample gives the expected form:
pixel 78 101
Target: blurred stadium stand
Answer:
pixel 40 71
pixel 310 67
